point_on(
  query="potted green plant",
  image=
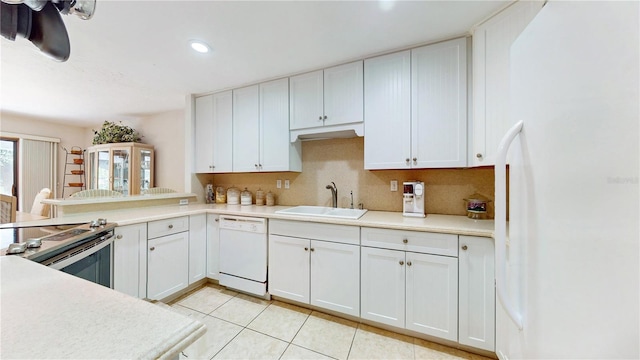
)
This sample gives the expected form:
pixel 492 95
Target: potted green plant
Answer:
pixel 115 133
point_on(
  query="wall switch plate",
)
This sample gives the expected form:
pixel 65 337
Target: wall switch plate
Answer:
pixel 279 184
pixel 184 201
pixel 394 185
pixel 286 184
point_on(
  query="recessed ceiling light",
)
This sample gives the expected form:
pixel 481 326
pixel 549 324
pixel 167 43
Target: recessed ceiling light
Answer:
pixel 200 46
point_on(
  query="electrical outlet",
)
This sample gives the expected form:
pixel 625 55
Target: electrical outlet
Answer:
pixel 286 184
pixel 184 201
pixel 279 184
pixel 394 185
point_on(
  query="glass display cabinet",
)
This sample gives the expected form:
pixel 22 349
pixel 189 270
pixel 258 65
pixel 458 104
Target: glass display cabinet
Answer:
pixel 122 167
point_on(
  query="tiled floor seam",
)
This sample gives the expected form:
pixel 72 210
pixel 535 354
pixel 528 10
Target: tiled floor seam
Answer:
pixel 353 340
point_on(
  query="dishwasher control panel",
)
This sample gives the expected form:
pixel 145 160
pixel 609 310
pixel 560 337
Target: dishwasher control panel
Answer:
pixel 241 223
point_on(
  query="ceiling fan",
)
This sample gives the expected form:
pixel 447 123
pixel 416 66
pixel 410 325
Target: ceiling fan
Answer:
pixel 40 22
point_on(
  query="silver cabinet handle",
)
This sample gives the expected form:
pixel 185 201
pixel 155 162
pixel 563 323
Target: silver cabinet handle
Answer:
pixel 401 262
pixel 405 241
pixel 464 247
pixel 408 263
pixel 479 156
pixel 325 117
pixel 312 249
pixel 407 160
pixel 217 220
pixel 320 117
pixel 306 249
pixel 152 248
pixel 415 160
pixel 119 236
pixel 171 226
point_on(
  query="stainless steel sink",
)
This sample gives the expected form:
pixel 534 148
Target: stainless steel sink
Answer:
pixel 323 211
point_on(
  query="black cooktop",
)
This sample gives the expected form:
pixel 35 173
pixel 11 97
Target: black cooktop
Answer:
pixel 22 234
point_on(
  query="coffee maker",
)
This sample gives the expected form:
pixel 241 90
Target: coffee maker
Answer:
pixel 413 199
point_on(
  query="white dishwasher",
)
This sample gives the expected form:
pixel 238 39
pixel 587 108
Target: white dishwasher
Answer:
pixel 243 254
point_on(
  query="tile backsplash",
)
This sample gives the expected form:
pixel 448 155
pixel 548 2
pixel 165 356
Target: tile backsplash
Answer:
pixel 342 161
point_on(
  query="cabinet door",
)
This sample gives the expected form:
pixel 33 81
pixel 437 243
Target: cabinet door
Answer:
pixel 222 132
pixel 439 105
pixel 289 268
pixel 168 265
pixel 121 170
pixel 130 260
pixel 343 94
pixel 491 46
pixel 197 247
pixel 306 100
pixel 335 277
pixel 213 247
pixel 276 152
pixel 432 295
pixel 477 293
pixel 203 134
pixel 382 287
pixel 387 109
pixel 246 131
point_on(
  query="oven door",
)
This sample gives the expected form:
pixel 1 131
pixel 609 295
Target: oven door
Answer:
pixel 93 261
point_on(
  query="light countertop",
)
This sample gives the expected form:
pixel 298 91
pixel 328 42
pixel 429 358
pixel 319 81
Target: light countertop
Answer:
pixel 40 319
pixel 450 224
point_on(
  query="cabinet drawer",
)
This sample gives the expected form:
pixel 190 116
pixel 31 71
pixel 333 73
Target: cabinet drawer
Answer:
pixel 415 241
pixel 167 227
pixel 308 230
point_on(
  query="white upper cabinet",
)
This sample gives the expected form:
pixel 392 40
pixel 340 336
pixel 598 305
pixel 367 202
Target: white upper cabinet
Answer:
pixel 246 129
pixel 491 46
pixel 387 108
pixel 416 108
pixel 439 105
pixel 306 100
pixel 261 129
pixel 332 97
pixel 343 94
pixel 213 133
pixel 276 152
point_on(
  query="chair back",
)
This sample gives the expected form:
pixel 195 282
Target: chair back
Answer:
pixel 8 205
pixel 38 208
pixel 93 193
pixel 157 190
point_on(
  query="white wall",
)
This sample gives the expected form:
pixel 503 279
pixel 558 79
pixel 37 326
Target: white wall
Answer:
pixel 165 132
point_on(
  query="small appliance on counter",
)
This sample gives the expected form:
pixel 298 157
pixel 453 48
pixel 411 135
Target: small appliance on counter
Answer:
pixel 413 199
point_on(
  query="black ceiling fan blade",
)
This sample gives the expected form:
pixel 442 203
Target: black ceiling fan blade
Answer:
pixel 49 34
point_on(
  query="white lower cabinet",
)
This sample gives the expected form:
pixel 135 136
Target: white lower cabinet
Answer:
pixel 317 272
pixel 213 247
pixel 477 292
pixel 409 289
pixel 130 260
pixel 167 257
pixel 197 247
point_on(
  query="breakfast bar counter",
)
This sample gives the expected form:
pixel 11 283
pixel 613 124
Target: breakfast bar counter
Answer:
pixel 46 313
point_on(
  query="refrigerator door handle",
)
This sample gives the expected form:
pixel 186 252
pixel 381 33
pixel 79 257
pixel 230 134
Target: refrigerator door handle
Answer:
pixel 501 223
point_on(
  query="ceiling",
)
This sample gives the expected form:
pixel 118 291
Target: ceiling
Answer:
pixel 133 59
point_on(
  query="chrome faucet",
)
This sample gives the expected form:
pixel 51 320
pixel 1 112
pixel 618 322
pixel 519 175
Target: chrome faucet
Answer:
pixel 334 193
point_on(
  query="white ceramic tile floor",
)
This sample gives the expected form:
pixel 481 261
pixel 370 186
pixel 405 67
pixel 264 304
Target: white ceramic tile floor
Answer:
pixel 244 327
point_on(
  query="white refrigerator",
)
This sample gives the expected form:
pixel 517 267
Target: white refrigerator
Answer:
pixel 567 261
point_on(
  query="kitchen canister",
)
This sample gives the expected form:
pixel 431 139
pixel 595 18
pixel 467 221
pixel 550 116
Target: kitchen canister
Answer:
pixel 233 196
pixel 259 197
pixel 221 195
pixel 246 198
pixel 477 206
pixel 271 199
